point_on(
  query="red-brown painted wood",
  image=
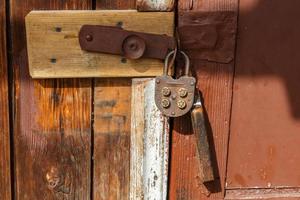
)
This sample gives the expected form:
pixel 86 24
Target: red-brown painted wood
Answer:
pixel 264 140
pixel 215 81
pixel 5 171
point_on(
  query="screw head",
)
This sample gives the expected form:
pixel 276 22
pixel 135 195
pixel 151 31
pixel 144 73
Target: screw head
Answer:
pixel 174 96
pixel 166 91
pixel 123 60
pixel 89 38
pixel 182 92
pixel 157 81
pixel 181 104
pixel 165 103
pixel 119 24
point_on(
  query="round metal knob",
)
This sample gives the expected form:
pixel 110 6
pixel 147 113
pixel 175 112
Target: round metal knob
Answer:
pixel 166 91
pixel 182 92
pixel 133 47
pixel 181 104
pixel 165 103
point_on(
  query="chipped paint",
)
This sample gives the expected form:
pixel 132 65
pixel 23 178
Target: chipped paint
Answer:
pixel 155 5
pixel 149 144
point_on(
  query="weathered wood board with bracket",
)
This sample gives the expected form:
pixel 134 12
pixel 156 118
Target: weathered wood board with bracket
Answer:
pixel 54 50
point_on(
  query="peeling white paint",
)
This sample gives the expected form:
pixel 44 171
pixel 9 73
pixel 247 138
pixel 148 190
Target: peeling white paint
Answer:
pixel 149 144
pixel 155 5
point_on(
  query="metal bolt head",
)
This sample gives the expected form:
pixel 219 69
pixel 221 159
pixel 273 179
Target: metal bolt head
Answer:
pixel 165 103
pixel 89 38
pixel 166 91
pixel 181 104
pixel 133 47
pixel 182 92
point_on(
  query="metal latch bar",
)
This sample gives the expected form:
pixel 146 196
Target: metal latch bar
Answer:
pixel 130 44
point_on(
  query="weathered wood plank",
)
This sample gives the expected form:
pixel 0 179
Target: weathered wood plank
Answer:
pixel 112 138
pixel 149 144
pixel 155 5
pixel 5 172
pixel 113 156
pixel 52 121
pixel 54 50
pixel 215 81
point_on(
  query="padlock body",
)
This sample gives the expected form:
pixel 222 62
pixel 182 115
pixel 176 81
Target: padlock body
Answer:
pixel 174 97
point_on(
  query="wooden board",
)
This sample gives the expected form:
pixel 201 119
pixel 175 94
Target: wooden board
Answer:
pixel 215 81
pixel 112 145
pixel 263 193
pixel 52 121
pixel 111 138
pixel 149 147
pixel 5 172
pixel 264 140
pixel 155 5
pixel 57 54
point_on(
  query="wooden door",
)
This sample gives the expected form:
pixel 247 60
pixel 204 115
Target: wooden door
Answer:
pixel 70 138
pixel 264 138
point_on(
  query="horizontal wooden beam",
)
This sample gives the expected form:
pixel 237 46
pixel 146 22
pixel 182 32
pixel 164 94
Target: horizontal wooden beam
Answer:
pixel 54 50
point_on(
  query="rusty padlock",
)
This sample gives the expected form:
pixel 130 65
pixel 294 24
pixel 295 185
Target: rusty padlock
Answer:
pixel 175 97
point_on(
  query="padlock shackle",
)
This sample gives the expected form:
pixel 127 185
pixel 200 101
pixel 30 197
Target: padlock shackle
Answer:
pixel 187 62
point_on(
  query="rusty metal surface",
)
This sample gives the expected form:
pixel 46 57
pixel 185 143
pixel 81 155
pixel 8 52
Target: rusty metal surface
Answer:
pixel 175 97
pixel 208 35
pixel 265 127
pixel 203 147
pixel 115 40
pixel 173 109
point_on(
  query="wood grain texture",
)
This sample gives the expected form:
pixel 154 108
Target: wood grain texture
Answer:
pixel 52 121
pixel 57 54
pixel 5 171
pixel 155 5
pixel 215 81
pixel 149 147
pixel 115 4
pixel 112 138
pixel 112 99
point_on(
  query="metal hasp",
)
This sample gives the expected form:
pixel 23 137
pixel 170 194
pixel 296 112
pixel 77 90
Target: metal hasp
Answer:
pixel 132 45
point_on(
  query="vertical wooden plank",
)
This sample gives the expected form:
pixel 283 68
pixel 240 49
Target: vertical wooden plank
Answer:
pixel 5 181
pixel 215 81
pixel 52 121
pixel 149 144
pixel 112 138
pixel 112 98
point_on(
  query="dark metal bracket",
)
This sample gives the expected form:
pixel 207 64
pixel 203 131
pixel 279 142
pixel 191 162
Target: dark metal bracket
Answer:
pixel 132 45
